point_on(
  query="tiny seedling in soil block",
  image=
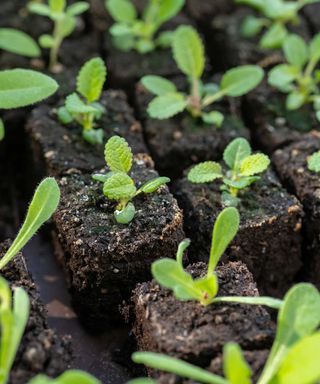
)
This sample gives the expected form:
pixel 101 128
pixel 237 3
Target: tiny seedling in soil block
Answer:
pixel 118 185
pixel 243 170
pixel 297 166
pixel 64 19
pixel 200 122
pixel 270 217
pixel 295 347
pixel 99 254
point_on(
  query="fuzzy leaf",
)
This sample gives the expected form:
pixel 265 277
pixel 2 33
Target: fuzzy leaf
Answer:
pixel 205 172
pixel 188 51
pixel 296 51
pixel 152 185
pixel 91 79
pixel 18 42
pixel 39 9
pixel 168 105
pixel 57 6
pixel 158 85
pixel 78 8
pixel 282 75
pixel 236 152
pixel 242 183
pixel 75 105
pixel 295 100
pixel 21 87
pixel 251 26
pixel 239 81
pixel 314 162
pixel 119 186
pixel 93 136
pixel 118 155
pixel 254 164
pixel 315 48
pixel 46 41
pixel 235 367
pixel 126 215
pixel 122 11
pixel 274 37
pixel 214 117
pixel 168 9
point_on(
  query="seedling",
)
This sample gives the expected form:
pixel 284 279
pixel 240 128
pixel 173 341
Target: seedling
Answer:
pixel 314 162
pixel 118 185
pixel 22 87
pixel 188 52
pixel 44 203
pixel 243 170
pixel 64 19
pixel 18 42
pixel 83 106
pixel 141 34
pixel 171 274
pixel 294 357
pixel 69 377
pixel 277 14
pixel 299 77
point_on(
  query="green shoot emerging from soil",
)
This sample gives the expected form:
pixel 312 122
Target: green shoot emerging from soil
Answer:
pixel 86 109
pixel 64 19
pixel 13 319
pixel 44 203
pixel 299 77
pixel 22 87
pixel 68 377
pixel 243 170
pixel 171 274
pixel 314 162
pixel 188 52
pixel 130 32
pixel 18 42
pixel 294 357
pixel 118 185
pixel 277 14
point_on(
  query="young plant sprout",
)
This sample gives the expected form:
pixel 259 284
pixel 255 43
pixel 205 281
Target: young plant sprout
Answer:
pixel 83 106
pixel 22 87
pixel 64 19
pixel 276 15
pixel 130 32
pixel 44 203
pixel 118 185
pixel 69 377
pixel 188 52
pixel 299 77
pixel 314 162
pixel 243 170
pixel 18 42
pixel 171 274
pixel 294 357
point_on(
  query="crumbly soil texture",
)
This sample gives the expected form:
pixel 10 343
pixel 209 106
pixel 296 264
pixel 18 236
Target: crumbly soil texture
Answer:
pixel 103 259
pixel 41 351
pixel 269 231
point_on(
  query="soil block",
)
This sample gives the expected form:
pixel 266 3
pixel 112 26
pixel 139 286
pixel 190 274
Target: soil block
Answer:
pixel 126 68
pixel 105 260
pixel 271 124
pixel 41 351
pixel 59 149
pixel 179 142
pixel 161 324
pixel 228 48
pixel 291 165
pixel 269 231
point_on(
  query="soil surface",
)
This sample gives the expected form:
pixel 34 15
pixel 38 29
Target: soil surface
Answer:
pixel 291 165
pixel 161 324
pixel 99 254
pixel 203 11
pixel 272 125
pixel 269 231
pixel 60 148
pixel 41 351
pixel 179 142
pixel 312 14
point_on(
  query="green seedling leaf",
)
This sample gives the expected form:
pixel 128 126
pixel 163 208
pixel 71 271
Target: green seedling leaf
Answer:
pixel 282 76
pixel 153 185
pixel 274 37
pixel 158 85
pixel 168 9
pixel 296 51
pixel 18 42
pixel 295 100
pixel 256 300
pixel 315 48
pixel 214 117
pixel 254 164
pixel 119 186
pixel 236 152
pixel 2 130
pixel 93 136
pixel 44 203
pixel 236 369
pixel 314 162
pixel 241 80
pixel 77 8
pixel 166 106
pixel 39 9
pixel 118 155
pixel 57 6
pixel 251 26
pixel 178 367
pixel 126 215
pixel 91 78
pixel 205 172
pixel 68 377
pixel 188 51
pixel 122 11
pixel 46 41
pixel 242 183
pixel 75 105
pixel 22 87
